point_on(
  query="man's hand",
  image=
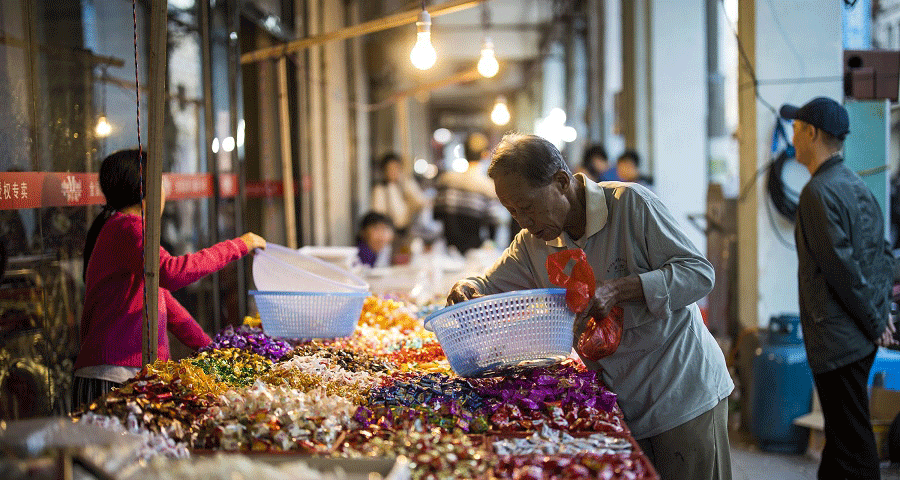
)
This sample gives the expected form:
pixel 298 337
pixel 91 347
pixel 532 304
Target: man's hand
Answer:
pixel 599 306
pixel 887 337
pixel 462 291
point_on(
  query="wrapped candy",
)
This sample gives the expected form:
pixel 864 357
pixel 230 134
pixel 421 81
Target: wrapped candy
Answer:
pixel 232 366
pixel 433 454
pixel 251 339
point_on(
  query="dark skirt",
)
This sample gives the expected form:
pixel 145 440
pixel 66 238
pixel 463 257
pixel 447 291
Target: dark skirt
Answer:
pixel 86 390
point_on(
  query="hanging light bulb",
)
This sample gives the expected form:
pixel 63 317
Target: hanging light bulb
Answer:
pixel 500 114
pixel 487 64
pixel 423 55
pixel 103 128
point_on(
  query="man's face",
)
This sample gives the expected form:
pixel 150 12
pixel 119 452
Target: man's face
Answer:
pixel 802 141
pixel 540 210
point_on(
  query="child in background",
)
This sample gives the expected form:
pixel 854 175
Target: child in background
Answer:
pixel 376 233
pixel 112 318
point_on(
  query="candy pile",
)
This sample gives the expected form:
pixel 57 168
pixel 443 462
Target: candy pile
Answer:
pixel 152 444
pixel 252 339
pixel 157 405
pixel 435 399
pixel 387 390
pixel 231 466
pixel 433 454
pixel 549 441
pixel 309 372
pixel 560 396
pixel 266 418
pixel 232 366
pixel 190 375
pixel 581 466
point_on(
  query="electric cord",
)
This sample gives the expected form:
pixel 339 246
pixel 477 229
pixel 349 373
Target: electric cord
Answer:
pixel 779 193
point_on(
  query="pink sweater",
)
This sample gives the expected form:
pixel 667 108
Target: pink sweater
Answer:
pixel 113 305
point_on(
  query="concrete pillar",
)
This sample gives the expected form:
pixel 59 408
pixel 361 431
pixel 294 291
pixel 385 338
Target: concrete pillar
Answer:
pixel 676 145
pixel 337 163
pixel 796 39
pixel 363 154
pixel 316 130
pixel 579 91
pixel 636 65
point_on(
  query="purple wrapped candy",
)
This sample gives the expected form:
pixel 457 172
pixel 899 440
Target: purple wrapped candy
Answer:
pixel 252 339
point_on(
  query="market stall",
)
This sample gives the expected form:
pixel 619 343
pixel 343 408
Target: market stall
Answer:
pixel 386 392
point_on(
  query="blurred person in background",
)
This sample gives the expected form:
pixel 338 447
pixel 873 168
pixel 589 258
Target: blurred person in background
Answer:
pixel 465 200
pixel 376 233
pixel 628 168
pixel 399 197
pixel 595 165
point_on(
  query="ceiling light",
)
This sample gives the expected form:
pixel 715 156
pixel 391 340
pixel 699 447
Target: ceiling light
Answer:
pixel 500 114
pixel 487 64
pixel 423 55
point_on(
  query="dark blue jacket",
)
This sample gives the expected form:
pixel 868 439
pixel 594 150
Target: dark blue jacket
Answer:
pixel 845 267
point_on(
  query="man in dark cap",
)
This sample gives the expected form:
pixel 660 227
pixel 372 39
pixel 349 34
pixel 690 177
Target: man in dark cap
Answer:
pixel 844 273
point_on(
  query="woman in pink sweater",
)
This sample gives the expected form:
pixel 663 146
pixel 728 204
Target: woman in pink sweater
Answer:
pixel 112 318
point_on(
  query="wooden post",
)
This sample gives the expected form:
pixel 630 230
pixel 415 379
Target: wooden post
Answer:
pixel 287 164
pixel 748 205
pixel 153 177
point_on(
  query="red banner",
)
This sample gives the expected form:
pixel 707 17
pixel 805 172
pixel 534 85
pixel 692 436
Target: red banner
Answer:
pixel 56 189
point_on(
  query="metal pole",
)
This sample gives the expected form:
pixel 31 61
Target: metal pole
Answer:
pixel 212 166
pixel 287 164
pixel 235 99
pixel 153 176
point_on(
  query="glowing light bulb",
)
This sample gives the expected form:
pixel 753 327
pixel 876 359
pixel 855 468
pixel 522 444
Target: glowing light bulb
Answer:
pixel 420 166
pixel 487 64
pixel 228 144
pixel 500 114
pixel 423 55
pixel 103 128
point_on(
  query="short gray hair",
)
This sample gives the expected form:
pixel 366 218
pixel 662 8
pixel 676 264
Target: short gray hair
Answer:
pixel 531 156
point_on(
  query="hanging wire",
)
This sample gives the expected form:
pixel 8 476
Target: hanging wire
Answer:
pixel 747 64
pixel 137 89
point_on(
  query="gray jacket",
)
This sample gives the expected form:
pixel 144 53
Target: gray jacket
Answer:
pixel 845 267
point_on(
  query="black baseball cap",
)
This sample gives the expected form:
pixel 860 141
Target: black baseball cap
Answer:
pixel 822 113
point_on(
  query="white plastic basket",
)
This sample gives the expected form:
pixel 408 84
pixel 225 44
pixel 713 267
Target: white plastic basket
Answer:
pixel 281 269
pixel 490 335
pixel 304 315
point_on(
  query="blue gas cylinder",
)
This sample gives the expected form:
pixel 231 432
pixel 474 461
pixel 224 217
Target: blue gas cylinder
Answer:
pixel 782 387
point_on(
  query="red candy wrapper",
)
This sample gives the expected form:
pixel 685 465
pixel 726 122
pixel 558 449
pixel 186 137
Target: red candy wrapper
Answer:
pixel 600 338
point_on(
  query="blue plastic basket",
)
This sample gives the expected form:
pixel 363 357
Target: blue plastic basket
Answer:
pixel 493 334
pixel 309 314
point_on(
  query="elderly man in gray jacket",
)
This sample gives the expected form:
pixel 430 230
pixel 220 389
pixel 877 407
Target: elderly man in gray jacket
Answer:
pixel 668 371
pixel 845 275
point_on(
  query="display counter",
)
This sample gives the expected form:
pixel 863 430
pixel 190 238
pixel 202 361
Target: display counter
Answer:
pixel 385 393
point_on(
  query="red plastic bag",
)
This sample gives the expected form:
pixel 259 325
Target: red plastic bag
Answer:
pixel 580 286
pixel 600 338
